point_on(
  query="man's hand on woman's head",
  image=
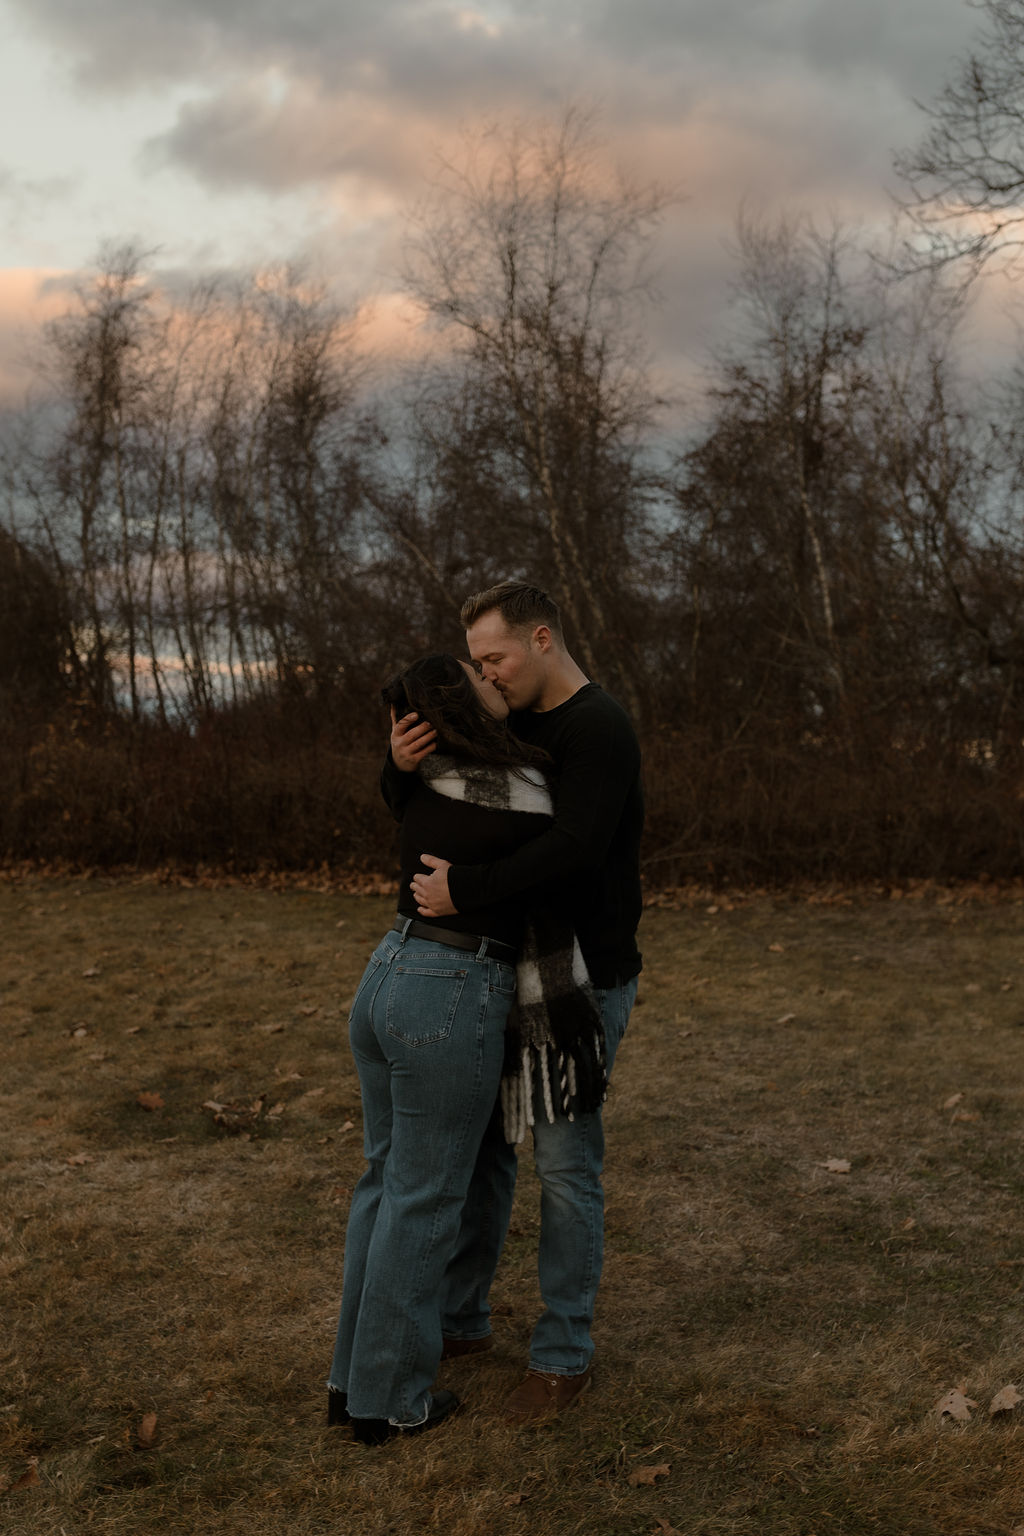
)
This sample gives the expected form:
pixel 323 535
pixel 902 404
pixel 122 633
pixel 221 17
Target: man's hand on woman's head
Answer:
pixel 412 739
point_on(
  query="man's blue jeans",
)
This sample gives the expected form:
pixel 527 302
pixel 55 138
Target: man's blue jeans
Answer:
pixel 427 1033
pixel 569 1156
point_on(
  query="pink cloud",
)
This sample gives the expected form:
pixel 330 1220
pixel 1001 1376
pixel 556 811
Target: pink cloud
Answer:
pixel 29 296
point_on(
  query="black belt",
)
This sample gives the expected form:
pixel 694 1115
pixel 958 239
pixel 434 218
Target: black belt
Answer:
pixel 494 949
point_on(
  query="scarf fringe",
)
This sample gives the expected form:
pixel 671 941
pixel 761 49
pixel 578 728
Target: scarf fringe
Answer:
pixel 530 1077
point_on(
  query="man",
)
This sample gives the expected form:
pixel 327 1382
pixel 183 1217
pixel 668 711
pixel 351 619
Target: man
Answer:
pixel 588 863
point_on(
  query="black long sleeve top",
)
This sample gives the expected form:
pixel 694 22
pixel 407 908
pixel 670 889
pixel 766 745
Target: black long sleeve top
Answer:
pixel 459 831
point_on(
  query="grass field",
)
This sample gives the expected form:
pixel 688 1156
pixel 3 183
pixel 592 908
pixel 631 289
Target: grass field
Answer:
pixel 773 1333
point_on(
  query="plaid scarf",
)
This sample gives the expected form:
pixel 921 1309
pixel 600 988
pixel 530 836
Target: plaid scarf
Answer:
pixel 554 1038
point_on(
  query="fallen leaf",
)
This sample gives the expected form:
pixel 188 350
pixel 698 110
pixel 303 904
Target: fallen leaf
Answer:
pixel 93 970
pixel 29 1479
pixel 79 1159
pixel 787 1018
pixel 133 1029
pixel 348 1126
pixel 955 1406
pixel 909 1224
pixel 278 1109
pixel 1005 1399
pixel 150 1101
pixel 664 1529
pixel 79 1032
pixel 239 1119
pixel 965 1115
pixel 777 949
pixel 270 1029
pixel 835 1165
pixel 308 1012
pixel 953 1100
pixel 646 1477
pixel 147 1430
pixel 511 1499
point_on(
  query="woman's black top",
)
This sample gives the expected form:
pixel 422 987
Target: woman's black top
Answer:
pixel 462 833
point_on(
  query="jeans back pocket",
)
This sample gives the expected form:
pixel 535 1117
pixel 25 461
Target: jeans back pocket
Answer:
pixel 422 1001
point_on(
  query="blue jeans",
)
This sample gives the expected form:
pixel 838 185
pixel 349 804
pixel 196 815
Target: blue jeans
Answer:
pixel 569 1156
pixel 427 1033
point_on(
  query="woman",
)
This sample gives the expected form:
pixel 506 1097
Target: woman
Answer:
pixel 427 1032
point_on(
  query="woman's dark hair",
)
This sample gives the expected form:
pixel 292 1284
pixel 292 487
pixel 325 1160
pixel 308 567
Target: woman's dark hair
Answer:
pixel 437 689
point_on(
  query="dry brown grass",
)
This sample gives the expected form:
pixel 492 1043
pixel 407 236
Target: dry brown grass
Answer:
pixel 774 1333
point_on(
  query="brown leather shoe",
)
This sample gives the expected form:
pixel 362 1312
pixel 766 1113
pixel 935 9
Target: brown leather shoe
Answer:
pixel 455 1349
pixel 541 1397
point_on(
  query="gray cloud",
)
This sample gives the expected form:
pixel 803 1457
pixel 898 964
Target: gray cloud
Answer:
pixel 243 136
pixel 24 199
pixel 783 101
pixel 432 45
pixel 911 42
pixel 130 42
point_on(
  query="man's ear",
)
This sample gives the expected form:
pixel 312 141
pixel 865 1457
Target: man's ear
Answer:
pixel 542 637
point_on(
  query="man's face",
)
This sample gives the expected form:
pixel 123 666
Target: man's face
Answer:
pixel 490 698
pixel 512 662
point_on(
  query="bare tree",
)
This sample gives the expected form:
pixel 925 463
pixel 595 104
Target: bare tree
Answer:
pixel 287 438
pixel 966 177
pixel 82 480
pixel 770 501
pixel 834 512
pixel 537 261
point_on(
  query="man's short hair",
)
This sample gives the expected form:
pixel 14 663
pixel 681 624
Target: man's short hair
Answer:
pixel 520 605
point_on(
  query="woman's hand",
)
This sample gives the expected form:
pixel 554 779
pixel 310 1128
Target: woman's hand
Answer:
pixel 412 739
pixel 430 892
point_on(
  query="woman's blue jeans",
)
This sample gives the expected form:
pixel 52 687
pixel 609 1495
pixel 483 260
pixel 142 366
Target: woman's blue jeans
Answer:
pixel 427 1033
pixel 569 1158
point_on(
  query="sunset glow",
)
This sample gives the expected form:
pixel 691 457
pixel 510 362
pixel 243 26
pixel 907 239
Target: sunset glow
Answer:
pixel 220 137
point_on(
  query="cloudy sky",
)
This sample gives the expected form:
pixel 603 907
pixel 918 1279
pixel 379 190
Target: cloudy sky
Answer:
pixel 240 132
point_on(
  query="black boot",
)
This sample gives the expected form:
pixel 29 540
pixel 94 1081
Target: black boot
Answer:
pixel 376 1431
pixel 337 1408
